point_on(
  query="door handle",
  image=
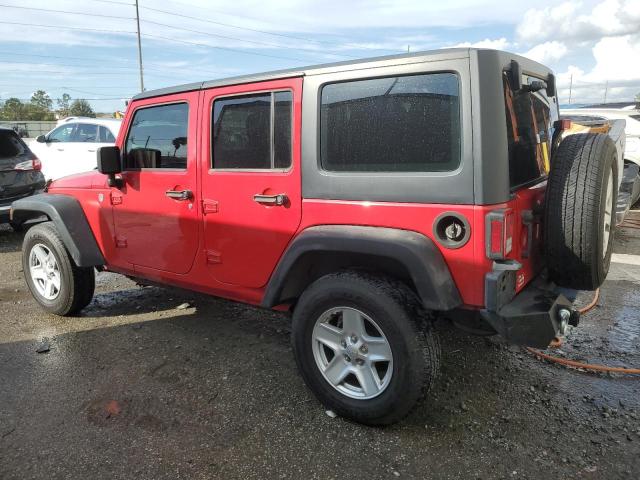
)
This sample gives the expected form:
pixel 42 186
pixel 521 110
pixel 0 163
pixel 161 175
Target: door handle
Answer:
pixel 179 194
pixel 272 200
pixel 60 149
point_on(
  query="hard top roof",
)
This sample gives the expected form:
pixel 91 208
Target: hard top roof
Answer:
pixel 442 54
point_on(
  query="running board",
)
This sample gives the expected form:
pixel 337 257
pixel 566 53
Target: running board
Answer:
pixel 628 191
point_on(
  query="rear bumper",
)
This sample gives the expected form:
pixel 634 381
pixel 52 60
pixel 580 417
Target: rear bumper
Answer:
pixel 533 317
pixel 5 203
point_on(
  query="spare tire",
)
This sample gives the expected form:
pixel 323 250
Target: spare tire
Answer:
pixel 580 204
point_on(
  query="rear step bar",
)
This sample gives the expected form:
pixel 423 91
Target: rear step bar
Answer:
pixel 629 189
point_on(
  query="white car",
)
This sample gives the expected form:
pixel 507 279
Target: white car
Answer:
pixel 71 146
pixel 631 115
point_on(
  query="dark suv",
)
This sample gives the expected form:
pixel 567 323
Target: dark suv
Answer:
pixel 20 174
pixel 363 197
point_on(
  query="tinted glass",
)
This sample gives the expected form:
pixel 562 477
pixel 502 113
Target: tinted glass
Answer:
pixel 529 121
pixel 282 129
pixel 62 133
pixel 397 124
pixel 158 138
pixel 11 145
pixel 243 134
pixel 85 132
pixel 106 136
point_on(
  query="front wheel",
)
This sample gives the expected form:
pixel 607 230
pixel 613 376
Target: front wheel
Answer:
pixel 55 281
pixel 364 346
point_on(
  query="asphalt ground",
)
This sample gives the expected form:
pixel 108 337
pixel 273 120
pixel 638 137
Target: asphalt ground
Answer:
pixel 141 387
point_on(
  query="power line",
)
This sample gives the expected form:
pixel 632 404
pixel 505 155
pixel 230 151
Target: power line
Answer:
pixel 220 48
pixel 50 10
pixel 58 27
pixel 255 42
pixel 294 37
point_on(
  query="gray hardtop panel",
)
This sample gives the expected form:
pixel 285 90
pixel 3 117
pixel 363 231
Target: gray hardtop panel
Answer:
pixel 413 187
pixel 387 60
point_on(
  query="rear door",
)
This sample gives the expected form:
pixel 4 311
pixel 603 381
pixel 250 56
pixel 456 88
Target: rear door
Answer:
pixel 155 217
pixel 250 172
pixel 530 118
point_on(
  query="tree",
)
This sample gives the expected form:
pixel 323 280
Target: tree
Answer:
pixel 13 109
pixel 64 105
pixel 81 108
pixel 41 100
pixel 638 97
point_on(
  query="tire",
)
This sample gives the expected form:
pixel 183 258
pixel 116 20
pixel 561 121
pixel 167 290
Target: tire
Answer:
pixel 76 284
pixel 397 314
pixel 576 200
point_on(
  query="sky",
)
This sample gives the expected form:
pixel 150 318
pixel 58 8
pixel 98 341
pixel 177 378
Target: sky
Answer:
pixel 89 49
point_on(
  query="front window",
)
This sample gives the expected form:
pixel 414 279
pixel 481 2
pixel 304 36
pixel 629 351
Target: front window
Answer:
pixel 158 138
pixel 62 134
pixel 395 124
pixel 530 117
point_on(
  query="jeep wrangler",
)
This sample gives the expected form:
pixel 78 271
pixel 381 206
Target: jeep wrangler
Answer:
pixel 364 198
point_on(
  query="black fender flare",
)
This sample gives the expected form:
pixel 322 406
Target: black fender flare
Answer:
pixel 70 221
pixel 415 252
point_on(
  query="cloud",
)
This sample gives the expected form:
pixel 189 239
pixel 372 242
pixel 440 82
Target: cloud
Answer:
pixel 547 52
pixel 568 21
pixel 498 44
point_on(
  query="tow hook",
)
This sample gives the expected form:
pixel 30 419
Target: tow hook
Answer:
pixel 568 317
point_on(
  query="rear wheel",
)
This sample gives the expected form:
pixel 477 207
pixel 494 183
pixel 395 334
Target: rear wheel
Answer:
pixel 364 346
pixel 580 211
pixel 57 284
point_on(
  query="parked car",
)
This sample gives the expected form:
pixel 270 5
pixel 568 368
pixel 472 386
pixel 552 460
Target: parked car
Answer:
pixel 20 174
pixel 593 117
pixel 364 198
pixel 71 146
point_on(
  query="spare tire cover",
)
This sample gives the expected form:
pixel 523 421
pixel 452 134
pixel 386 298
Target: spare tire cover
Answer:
pixel 580 210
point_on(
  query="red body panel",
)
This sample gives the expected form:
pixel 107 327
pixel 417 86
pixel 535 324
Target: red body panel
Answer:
pixel 224 243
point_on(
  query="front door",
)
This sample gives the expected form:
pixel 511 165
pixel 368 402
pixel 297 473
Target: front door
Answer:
pixel 251 198
pixel 155 215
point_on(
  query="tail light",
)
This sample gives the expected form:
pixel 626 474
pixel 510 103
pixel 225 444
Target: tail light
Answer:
pixel 33 164
pixel 499 233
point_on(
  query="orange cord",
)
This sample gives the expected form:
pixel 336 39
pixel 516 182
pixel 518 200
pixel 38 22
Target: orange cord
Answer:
pixel 557 342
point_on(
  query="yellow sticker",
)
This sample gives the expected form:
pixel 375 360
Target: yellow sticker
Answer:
pixel 545 156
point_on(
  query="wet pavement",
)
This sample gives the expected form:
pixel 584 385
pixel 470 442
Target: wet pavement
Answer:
pixel 139 388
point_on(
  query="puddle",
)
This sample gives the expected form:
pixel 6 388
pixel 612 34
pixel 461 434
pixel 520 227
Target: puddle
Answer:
pixel 625 334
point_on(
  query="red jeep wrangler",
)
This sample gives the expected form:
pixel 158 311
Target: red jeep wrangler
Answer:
pixel 363 197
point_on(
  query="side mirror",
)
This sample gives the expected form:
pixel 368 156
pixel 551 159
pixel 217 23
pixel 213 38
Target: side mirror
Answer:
pixel 41 139
pixel 109 164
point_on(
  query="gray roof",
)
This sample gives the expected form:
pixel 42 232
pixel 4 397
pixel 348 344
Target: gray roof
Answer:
pixel 442 54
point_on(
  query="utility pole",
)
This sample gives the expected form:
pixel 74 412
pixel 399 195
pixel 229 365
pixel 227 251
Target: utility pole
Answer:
pixel 408 48
pixel 570 87
pixel 606 87
pixel 139 49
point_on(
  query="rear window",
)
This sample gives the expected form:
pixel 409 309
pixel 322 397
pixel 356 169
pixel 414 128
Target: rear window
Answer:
pixel 530 117
pixel 158 138
pixel 11 145
pixel 395 124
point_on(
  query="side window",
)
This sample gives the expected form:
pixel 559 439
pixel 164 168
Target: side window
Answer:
pixel 529 121
pixel 62 134
pixel 106 136
pixel 157 138
pixel 252 131
pixel 394 124
pixel 85 132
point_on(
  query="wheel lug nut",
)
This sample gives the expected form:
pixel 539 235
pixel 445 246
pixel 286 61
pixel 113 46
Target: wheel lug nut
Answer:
pixel 343 343
pixel 354 339
pixel 364 349
pixel 359 361
pixel 347 358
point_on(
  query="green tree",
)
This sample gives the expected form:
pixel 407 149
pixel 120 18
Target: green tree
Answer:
pixel 13 109
pixel 638 97
pixel 81 108
pixel 64 105
pixel 41 100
